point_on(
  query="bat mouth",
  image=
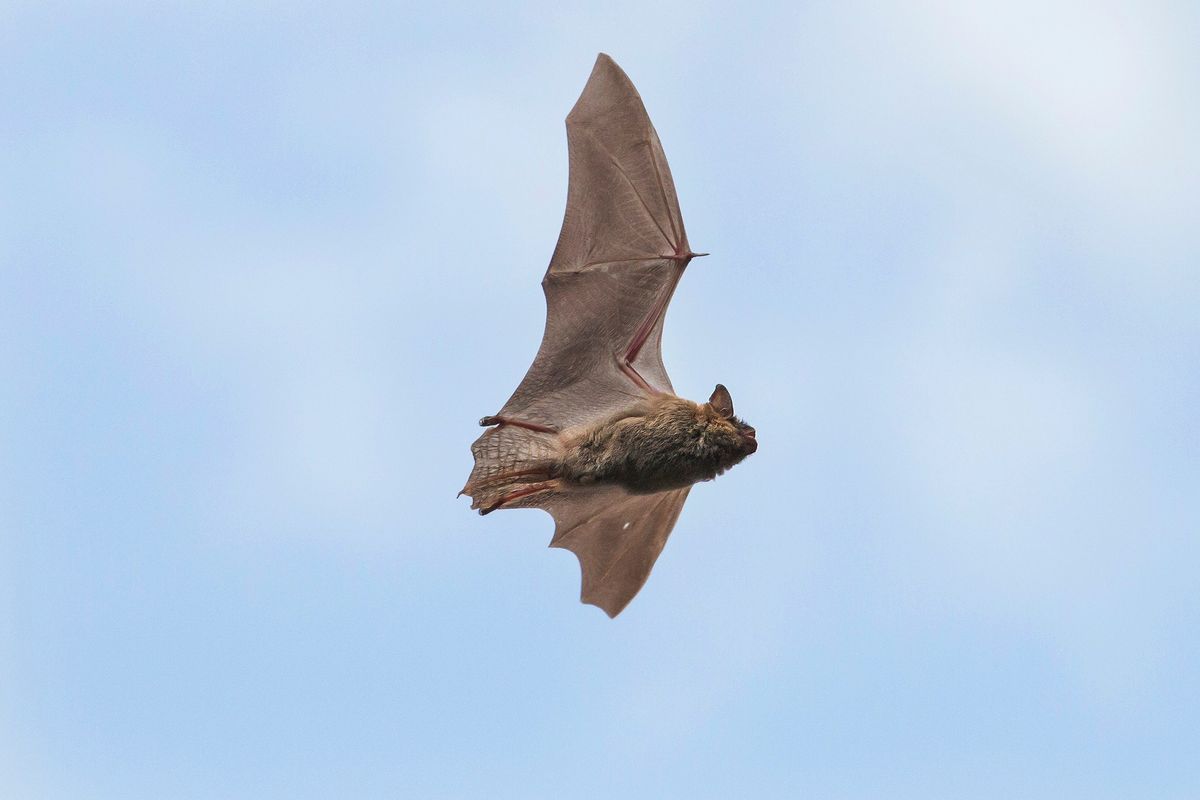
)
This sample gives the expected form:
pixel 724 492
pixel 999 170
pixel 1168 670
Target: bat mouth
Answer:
pixel 749 441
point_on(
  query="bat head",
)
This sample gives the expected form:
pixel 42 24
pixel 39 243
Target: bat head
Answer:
pixel 741 437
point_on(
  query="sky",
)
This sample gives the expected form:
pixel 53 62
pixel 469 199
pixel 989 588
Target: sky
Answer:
pixel 263 266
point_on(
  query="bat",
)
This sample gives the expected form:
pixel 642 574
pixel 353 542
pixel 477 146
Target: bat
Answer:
pixel 595 434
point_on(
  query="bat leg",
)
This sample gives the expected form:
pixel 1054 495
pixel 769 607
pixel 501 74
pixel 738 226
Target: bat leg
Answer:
pixel 517 494
pixel 517 476
pixel 533 426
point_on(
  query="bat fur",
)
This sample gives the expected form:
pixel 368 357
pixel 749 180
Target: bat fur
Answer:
pixel 665 442
pixel 659 443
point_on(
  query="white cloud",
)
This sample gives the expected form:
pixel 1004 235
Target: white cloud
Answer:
pixel 1099 94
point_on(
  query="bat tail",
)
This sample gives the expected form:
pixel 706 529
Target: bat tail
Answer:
pixel 514 468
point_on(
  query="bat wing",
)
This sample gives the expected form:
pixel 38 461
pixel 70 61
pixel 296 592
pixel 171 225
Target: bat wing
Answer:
pixel 620 254
pixel 617 537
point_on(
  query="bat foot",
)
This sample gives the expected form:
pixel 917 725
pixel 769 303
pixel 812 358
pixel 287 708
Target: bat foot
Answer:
pixel 532 426
pixel 516 495
pixel 542 473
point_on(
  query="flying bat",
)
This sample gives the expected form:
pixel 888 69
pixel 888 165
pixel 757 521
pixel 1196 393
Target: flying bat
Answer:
pixel 595 434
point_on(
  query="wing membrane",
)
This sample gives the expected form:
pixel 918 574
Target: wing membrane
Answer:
pixel 617 537
pixel 615 260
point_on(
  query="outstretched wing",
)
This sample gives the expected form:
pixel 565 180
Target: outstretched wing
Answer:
pixel 617 537
pixel 620 254
pixel 619 257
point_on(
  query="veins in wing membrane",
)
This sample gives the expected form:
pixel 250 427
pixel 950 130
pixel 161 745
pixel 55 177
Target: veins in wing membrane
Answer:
pixel 662 190
pixel 621 169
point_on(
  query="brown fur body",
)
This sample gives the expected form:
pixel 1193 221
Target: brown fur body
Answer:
pixel 665 442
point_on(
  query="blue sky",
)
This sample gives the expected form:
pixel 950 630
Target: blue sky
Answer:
pixel 263 266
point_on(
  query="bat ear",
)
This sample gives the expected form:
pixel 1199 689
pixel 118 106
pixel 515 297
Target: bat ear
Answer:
pixel 721 402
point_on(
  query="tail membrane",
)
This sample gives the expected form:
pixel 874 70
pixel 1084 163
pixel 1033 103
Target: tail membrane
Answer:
pixel 508 460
